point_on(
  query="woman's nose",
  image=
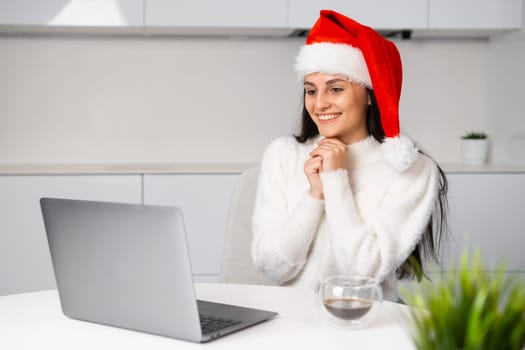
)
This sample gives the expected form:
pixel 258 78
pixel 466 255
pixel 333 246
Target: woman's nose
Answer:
pixel 322 101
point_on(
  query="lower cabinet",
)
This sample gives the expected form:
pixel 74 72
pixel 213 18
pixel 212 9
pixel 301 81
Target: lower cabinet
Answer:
pixel 204 200
pixel 487 212
pixel 25 263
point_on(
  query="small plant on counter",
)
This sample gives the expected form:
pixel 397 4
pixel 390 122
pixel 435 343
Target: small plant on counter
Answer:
pixel 470 309
pixel 475 135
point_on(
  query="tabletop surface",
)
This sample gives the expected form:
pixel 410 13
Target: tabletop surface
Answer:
pixel 205 168
pixel 35 321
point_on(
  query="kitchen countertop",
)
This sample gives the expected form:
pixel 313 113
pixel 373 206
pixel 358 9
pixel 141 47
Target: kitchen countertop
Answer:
pixel 110 169
pixel 459 168
pixel 203 168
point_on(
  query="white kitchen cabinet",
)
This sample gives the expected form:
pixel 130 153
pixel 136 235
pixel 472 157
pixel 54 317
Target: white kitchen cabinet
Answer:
pixel 256 18
pixel 212 13
pixel 475 14
pixel 467 17
pixel 379 14
pixel 25 263
pixel 487 211
pixel 204 200
pixel 107 13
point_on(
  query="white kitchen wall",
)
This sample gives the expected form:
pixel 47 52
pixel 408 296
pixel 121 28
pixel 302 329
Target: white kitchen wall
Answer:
pixel 124 100
pixel 506 88
pixel 444 93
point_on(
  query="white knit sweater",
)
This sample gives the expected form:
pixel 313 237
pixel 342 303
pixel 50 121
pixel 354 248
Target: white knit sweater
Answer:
pixel 370 220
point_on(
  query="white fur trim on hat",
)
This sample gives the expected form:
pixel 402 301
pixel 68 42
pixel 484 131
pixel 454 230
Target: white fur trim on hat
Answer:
pixel 333 59
pixel 399 152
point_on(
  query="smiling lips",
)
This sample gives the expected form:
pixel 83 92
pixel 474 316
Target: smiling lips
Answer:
pixel 328 117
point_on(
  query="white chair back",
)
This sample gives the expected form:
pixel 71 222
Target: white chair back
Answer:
pixel 237 265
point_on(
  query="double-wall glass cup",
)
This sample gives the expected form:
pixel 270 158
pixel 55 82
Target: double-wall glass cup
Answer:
pixel 350 301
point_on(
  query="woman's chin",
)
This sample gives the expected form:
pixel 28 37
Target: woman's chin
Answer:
pixel 328 135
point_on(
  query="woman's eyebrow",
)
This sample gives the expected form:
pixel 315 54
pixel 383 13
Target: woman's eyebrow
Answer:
pixel 328 82
pixel 336 80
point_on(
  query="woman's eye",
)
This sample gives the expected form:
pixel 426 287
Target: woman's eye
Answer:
pixel 310 92
pixel 336 89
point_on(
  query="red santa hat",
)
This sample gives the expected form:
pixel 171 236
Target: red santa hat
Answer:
pixel 337 44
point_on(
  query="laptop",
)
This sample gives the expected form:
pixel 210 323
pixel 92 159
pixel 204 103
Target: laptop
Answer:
pixel 127 265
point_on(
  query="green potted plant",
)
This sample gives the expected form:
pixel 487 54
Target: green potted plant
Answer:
pixel 474 146
pixel 470 309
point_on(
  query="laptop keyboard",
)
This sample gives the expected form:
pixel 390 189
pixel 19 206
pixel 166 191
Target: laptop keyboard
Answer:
pixel 212 323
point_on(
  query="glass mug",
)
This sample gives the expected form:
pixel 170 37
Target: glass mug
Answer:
pixel 349 301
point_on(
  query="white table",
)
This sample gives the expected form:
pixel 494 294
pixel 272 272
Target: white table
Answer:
pixel 35 321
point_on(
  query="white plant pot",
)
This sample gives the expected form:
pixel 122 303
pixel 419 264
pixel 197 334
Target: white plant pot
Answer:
pixel 474 152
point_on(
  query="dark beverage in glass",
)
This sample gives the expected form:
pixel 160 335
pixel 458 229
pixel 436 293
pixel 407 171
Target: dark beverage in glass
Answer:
pixel 348 308
pixel 350 301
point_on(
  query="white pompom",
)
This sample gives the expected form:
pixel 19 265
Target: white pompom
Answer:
pixel 399 152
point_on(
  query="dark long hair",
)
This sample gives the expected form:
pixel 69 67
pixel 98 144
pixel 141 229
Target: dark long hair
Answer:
pixel 430 246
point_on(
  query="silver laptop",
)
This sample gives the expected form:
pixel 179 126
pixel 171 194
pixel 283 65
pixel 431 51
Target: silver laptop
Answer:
pixel 127 265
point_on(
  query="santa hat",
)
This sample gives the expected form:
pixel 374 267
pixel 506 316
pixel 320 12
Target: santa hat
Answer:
pixel 339 45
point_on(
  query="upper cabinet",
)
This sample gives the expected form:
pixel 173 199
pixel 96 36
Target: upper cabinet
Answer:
pixel 213 13
pixel 420 15
pixel 269 17
pixel 212 17
pixel 93 13
pixel 475 14
pixel 379 14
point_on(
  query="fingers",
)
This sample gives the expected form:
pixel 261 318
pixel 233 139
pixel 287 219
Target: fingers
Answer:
pixel 331 141
pixel 333 153
pixel 313 165
pixel 329 149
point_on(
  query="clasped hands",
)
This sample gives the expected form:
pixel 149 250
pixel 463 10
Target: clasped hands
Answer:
pixel 330 154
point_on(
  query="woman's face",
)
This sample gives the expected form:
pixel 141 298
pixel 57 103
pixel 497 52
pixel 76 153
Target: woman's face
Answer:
pixel 337 106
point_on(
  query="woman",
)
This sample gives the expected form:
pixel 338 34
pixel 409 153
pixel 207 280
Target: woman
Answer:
pixel 349 194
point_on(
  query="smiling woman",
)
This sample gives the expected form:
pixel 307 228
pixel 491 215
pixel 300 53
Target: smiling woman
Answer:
pixel 349 195
pixel 337 106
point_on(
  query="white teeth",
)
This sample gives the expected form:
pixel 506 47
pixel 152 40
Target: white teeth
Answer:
pixel 328 116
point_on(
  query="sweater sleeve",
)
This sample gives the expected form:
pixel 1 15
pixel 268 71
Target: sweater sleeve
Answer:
pixel 283 230
pixel 379 244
